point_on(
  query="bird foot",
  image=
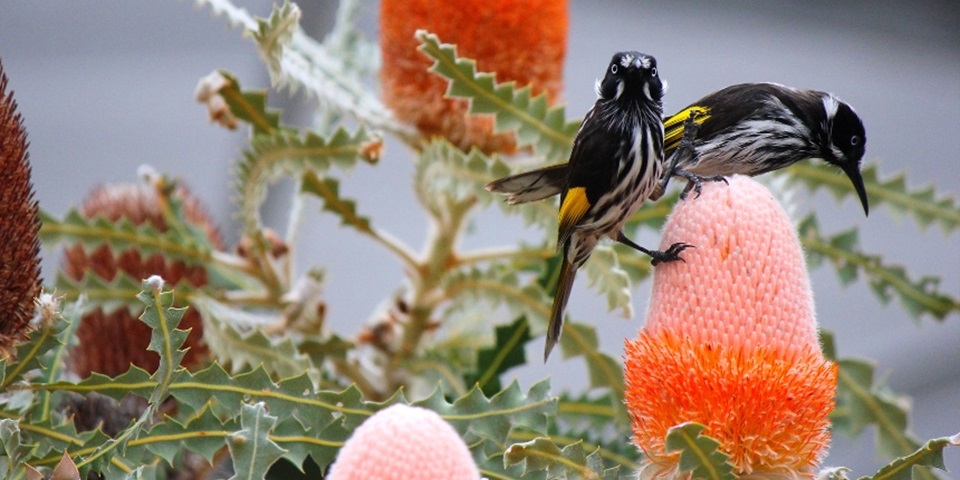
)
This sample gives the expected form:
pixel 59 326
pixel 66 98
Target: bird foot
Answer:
pixel 671 254
pixel 695 182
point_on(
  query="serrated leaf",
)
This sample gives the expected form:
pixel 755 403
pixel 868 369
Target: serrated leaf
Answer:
pixel 285 152
pixel 165 338
pixel 275 33
pixel 924 204
pixel 929 455
pixel 917 296
pixel 249 106
pixel 251 449
pixel 514 109
pixel 204 434
pixel 571 461
pixel 328 75
pixel 698 453
pixel 506 352
pixel 475 416
pixel 237 340
pixel 120 235
pixel 121 292
pixel 328 190
pixel 861 402
pixel 13 450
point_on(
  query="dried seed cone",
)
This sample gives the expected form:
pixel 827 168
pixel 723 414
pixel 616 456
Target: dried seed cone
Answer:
pixel 731 340
pixel 108 342
pixel 521 40
pixel 19 225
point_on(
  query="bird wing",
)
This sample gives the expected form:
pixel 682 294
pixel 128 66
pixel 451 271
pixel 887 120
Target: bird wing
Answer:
pixel 532 186
pixel 594 162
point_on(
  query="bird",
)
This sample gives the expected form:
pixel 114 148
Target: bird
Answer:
pixel 615 164
pixel 747 129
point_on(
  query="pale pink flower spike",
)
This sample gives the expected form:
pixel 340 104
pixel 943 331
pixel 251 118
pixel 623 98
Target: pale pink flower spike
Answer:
pixel 403 442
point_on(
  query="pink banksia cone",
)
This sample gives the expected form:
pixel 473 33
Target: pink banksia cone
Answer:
pixel 19 226
pixel 403 442
pixel 731 342
pixel 108 342
pixel 520 40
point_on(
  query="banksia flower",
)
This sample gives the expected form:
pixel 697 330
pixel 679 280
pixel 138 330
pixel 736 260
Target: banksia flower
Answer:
pixel 19 225
pixel 109 342
pixel 404 443
pixel 521 40
pixel 731 342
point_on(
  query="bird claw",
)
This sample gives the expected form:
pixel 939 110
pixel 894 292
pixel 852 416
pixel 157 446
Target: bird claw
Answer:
pixel 695 183
pixel 671 254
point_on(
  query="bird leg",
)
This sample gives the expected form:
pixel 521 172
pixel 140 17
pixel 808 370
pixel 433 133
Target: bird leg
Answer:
pixel 671 254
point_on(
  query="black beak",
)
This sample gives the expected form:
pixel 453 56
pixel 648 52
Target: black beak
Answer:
pixel 853 171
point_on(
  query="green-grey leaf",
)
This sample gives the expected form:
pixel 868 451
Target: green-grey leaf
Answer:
pixel 698 453
pixel 929 455
pixel 514 109
pixel 251 449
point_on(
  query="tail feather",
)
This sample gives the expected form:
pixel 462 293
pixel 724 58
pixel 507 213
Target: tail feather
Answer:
pixel 564 285
pixel 532 186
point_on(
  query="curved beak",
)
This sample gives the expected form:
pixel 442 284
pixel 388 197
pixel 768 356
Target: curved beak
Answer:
pixel 853 172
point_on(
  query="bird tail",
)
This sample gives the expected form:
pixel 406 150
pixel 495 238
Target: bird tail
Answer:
pixel 564 284
pixel 532 186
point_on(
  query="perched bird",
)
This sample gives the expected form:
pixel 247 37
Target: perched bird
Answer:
pixel 747 129
pixel 616 163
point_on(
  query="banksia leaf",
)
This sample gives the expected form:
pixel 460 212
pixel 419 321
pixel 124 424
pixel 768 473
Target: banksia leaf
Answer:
pixel 514 109
pixel 285 152
pixel 929 455
pixel 506 352
pixel 328 190
pixel 924 204
pixel 252 450
pixel 843 251
pixel 699 453
pixel 529 49
pixel 275 33
pixel 571 461
pixel 250 106
pixel 19 225
pixel 135 234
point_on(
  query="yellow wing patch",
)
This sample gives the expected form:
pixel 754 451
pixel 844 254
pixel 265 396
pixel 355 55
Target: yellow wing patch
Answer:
pixel 673 126
pixel 575 205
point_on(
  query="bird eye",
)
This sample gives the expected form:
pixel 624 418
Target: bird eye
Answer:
pixel 854 140
pixel 653 72
pixel 613 69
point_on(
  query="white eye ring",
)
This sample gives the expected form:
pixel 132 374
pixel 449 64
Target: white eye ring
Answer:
pixel 854 140
pixel 613 68
pixel 653 72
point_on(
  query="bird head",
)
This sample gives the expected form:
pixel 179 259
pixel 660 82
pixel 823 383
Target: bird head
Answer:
pixel 631 75
pixel 845 143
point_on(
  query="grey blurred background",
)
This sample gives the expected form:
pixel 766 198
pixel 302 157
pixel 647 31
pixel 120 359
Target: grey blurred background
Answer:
pixel 107 86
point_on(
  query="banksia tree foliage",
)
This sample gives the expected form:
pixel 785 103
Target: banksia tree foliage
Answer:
pixel 284 393
pixel 108 342
pixel 19 225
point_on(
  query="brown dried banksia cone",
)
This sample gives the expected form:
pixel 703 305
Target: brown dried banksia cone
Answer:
pixel 109 342
pixel 521 40
pixel 19 225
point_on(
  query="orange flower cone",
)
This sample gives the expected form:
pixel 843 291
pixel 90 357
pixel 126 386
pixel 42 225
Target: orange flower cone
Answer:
pixel 521 40
pixel 403 442
pixel 731 340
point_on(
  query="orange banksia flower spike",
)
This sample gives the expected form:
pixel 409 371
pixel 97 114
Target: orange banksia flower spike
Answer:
pixel 731 340
pixel 520 40
pixel 19 225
